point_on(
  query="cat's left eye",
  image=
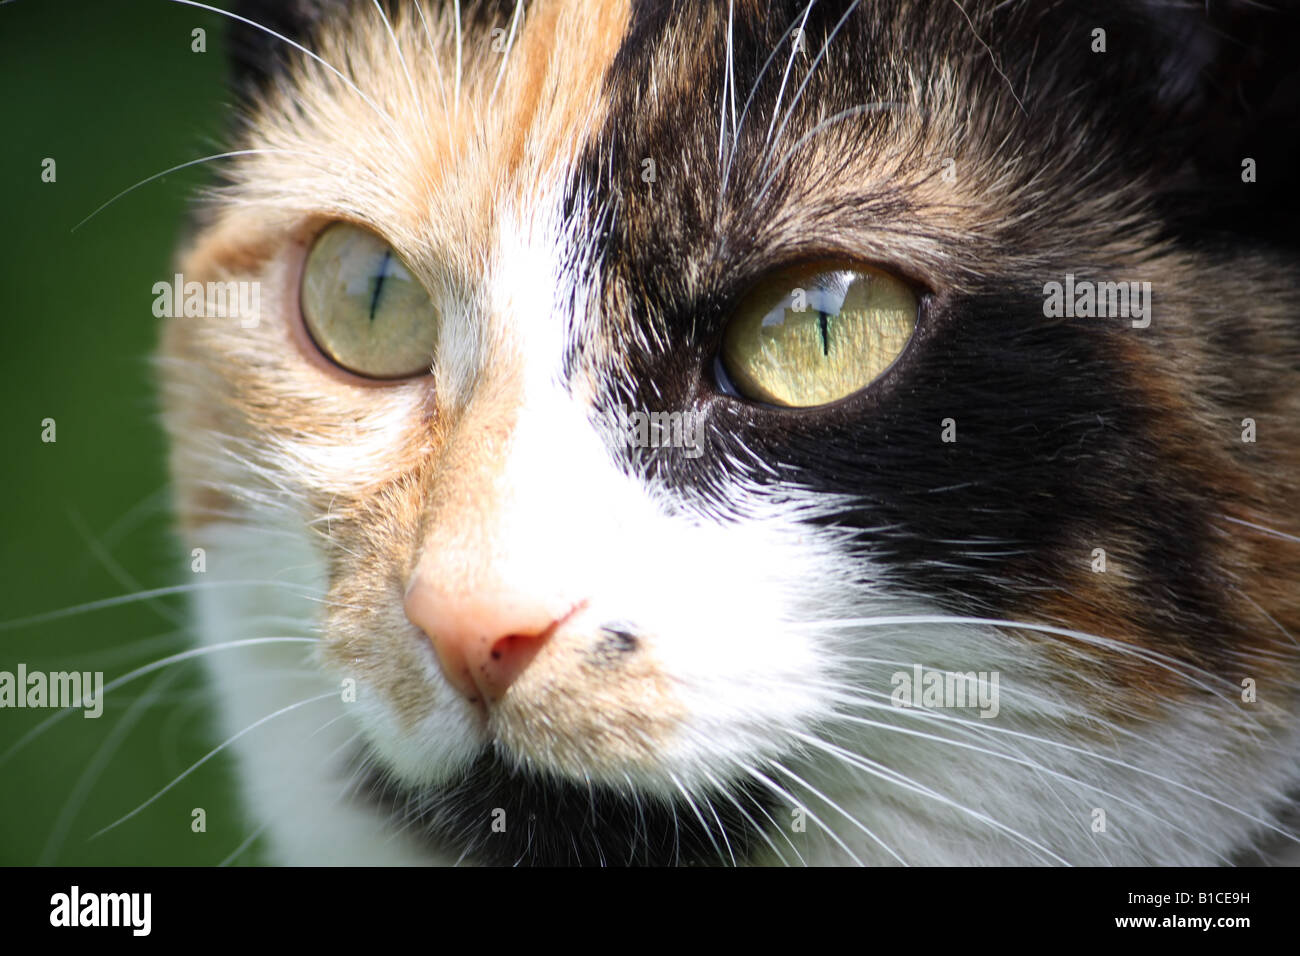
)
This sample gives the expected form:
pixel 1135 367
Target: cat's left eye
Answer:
pixel 813 334
pixel 363 308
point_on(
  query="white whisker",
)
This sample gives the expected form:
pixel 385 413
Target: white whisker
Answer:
pixel 885 773
pixel 811 70
pixel 1162 660
pixel 177 168
pixel 744 111
pixel 416 98
pixel 456 9
pixel 238 851
pixel 780 791
pixel 1259 527
pixel 139 672
pixel 95 767
pixel 437 69
pixel 210 754
pixel 510 42
pixel 785 76
pixel 123 599
pixel 302 49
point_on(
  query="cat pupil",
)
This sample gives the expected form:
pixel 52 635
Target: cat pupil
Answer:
pixel 379 282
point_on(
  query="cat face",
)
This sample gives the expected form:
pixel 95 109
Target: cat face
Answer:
pixel 493 244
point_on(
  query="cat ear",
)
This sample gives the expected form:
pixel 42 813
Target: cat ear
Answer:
pixel 256 55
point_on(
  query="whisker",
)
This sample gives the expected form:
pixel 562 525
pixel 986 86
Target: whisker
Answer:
pixel 1168 663
pixel 167 172
pixel 726 792
pixel 330 723
pixel 437 69
pixel 837 808
pixel 851 692
pixel 505 56
pixel 209 755
pixel 796 802
pixel 124 599
pixel 155 501
pixel 722 831
pixel 94 769
pixel 59 715
pixel 793 151
pixel 989 729
pixel 456 11
pixel 297 46
pixel 708 832
pixel 789 64
pixel 992 59
pixel 898 779
pixel 811 70
pixel 115 569
pixel 785 836
pixel 1259 527
pixel 757 80
pixel 401 59
pixel 239 850
pixel 1026 762
pixel 728 76
pixel 1274 621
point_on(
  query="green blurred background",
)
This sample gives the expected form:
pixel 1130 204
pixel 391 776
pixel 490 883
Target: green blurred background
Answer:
pixel 112 91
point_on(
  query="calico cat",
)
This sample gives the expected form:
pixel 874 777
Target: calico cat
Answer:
pixel 752 432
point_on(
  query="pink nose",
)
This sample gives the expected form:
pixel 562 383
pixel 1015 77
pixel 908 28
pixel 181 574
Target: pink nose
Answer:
pixel 484 641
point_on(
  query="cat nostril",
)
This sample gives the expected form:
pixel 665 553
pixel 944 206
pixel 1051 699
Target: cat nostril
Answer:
pixel 510 644
pixel 507 658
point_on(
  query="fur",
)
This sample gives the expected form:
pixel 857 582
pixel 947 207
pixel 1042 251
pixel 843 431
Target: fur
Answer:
pixel 770 587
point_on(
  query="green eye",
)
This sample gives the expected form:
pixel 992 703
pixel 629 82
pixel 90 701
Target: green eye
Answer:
pixel 811 335
pixel 363 308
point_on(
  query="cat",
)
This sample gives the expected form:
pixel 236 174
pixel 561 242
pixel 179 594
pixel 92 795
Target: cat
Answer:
pixel 947 573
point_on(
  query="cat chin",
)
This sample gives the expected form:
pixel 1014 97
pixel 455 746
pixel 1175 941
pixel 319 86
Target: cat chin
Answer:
pixel 497 812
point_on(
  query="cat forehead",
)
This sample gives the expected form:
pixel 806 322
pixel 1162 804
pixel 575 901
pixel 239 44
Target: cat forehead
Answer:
pixel 622 172
pixel 465 111
pixel 689 145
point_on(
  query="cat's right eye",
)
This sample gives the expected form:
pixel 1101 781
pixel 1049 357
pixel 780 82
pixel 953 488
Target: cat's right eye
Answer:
pixel 362 307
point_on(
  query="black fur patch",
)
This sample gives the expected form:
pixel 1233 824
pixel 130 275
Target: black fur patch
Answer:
pixel 1058 449
pixel 551 822
pixel 255 54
